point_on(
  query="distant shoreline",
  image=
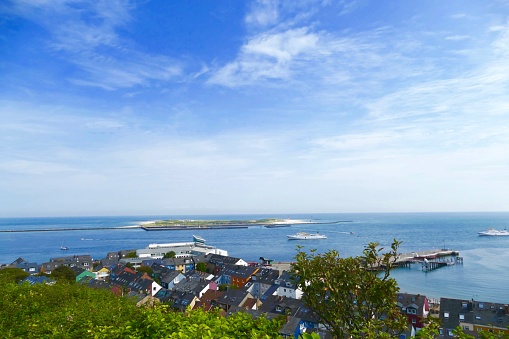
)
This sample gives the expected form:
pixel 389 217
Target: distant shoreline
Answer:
pixel 173 225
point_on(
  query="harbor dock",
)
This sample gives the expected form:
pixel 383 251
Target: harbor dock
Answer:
pixel 430 260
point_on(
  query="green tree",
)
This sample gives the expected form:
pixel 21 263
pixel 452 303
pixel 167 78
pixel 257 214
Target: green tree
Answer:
pixel 201 266
pixel 145 269
pixel 458 333
pixel 170 254
pixel 76 311
pixel 131 255
pixel 60 311
pixel 162 322
pixel 64 274
pixel 355 296
pixel 431 329
pixel 12 275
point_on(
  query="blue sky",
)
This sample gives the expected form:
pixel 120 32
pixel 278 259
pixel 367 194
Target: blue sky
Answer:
pixel 213 107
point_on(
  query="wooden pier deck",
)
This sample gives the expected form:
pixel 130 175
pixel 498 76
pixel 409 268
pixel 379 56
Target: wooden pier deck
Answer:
pixel 430 260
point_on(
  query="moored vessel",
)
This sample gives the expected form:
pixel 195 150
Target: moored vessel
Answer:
pixel 306 236
pixel 493 232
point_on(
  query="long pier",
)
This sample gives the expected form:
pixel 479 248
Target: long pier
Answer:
pixel 430 260
pixel 435 258
pixel 58 229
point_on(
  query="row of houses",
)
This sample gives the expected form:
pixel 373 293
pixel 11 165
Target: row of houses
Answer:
pixel 232 285
pixel 473 316
pixel 257 290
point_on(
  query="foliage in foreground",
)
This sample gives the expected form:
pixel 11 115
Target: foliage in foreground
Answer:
pixel 160 322
pixel 76 311
pixel 431 331
pixel 12 275
pixel 355 296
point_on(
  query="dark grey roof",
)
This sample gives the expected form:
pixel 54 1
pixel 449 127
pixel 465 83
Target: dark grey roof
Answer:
pixel 169 276
pixel 478 313
pixel 181 300
pixel 270 291
pixel 415 301
pixel 265 276
pixel 287 279
pixel 108 263
pixel 32 280
pixel 287 306
pixel 233 297
pixel 292 324
pixel 113 255
pixel 239 271
pixel 220 260
pixel 93 283
pixel 163 294
pixel 134 282
pixel 191 285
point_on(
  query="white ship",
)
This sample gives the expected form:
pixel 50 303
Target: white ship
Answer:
pixel 306 236
pixel 493 232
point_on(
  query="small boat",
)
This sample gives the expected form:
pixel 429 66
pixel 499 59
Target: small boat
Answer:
pixel 64 248
pixel 306 236
pixel 493 232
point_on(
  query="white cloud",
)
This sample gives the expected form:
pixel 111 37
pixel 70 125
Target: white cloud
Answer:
pixel 263 12
pixel 497 28
pixel 283 47
pixel 267 56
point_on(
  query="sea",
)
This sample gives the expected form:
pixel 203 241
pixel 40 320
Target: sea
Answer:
pixel 483 275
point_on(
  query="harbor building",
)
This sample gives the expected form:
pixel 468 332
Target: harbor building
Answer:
pixel 181 249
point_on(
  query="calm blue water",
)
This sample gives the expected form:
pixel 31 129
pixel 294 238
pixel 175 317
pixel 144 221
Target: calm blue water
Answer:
pixel 483 276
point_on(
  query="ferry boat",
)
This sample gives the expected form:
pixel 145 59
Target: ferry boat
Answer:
pixel 493 232
pixel 306 236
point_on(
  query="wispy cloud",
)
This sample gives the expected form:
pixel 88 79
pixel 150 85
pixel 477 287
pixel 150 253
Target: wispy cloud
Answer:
pixel 459 16
pixel 457 37
pixel 263 13
pixel 86 33
pixel 267 56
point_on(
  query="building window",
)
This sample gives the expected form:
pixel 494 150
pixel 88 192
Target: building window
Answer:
pixel 446 314
pixel 414 321
pixel 480 305
pixel 462 317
